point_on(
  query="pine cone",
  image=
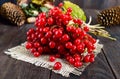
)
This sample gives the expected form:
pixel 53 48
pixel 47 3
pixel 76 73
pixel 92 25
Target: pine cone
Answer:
pixel 13 13
pixel 109 17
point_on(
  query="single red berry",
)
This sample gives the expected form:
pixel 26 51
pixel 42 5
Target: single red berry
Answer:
pixel 40 35
pixel 86 28
pixel 80 48
pixel 28 45
pixel 31 30
pixel 48 34
pixel 46 29
pixel 65 17
pixel 69 9
pixel 78 31
pixel 68 57
pixel 80 22
pixel 60 4
pixel 92 59
pixel 57 66
pixel 52 58
pixel 65 37
pixel 89 45
pixel 42 15
pixel 86 41
pixel 77 41
pixel 92 55
pixel 83 33
pixel 28 33
pixel 92 40
pixel 73 29
pixel 71 60
pixel 36 44
pixel 29 38
pixel 40 49
pixel 72 51
pixel 32 36
pixel 65 22
pixel 86 58
pixel 58 33
pixel 37 29
pixel 52 44
pixel 33 50
pixel 36 54
pixel 40 30
pixel 74 36
pixel 78 64
pixel 75 20
pixel 54 38
pixel 43 40
pixel 69 13
pixel 60 48
pixel 41 22
pixel 37 24
pixel 68 45
pixel 74 47
pixel 50 21
pixel 77 58
pixel 90 50
pixel 36 33
pixel 69 28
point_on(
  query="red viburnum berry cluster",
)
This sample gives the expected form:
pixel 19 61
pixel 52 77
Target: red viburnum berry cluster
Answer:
pixel 55 35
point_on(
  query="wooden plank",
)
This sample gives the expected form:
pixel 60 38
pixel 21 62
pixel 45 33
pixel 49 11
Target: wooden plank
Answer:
pixel 14 69
pixel 112 50
pixel 78 2
pixel 99 4
pixel 94 4
pixel 97 70
pixel 7 33
pixel 21 70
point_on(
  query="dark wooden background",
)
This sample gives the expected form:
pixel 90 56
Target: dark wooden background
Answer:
pixel 106 65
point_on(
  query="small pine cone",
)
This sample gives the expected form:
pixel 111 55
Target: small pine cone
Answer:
pixel 13 13
pixel 109 17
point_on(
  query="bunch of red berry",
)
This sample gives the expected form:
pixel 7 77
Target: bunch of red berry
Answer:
pixel 61 36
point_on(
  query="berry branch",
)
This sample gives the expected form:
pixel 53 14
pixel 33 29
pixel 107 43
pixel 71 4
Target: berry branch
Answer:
pixel 61 35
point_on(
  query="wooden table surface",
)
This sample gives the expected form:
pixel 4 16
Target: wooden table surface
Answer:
pixel 106 65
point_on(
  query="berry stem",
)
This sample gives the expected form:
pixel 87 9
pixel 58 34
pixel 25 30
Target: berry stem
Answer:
pixel 97 26
pixel 98 30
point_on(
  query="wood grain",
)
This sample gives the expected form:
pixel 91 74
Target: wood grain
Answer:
pixel 96 4
pixel 14 69
pixel 97 70
pixel 112 50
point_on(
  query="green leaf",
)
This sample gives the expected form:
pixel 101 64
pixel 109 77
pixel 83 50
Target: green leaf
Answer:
pixel 24 5
pixel 44 9
pixel 32 6
pixel 77 12
pixel 38 2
